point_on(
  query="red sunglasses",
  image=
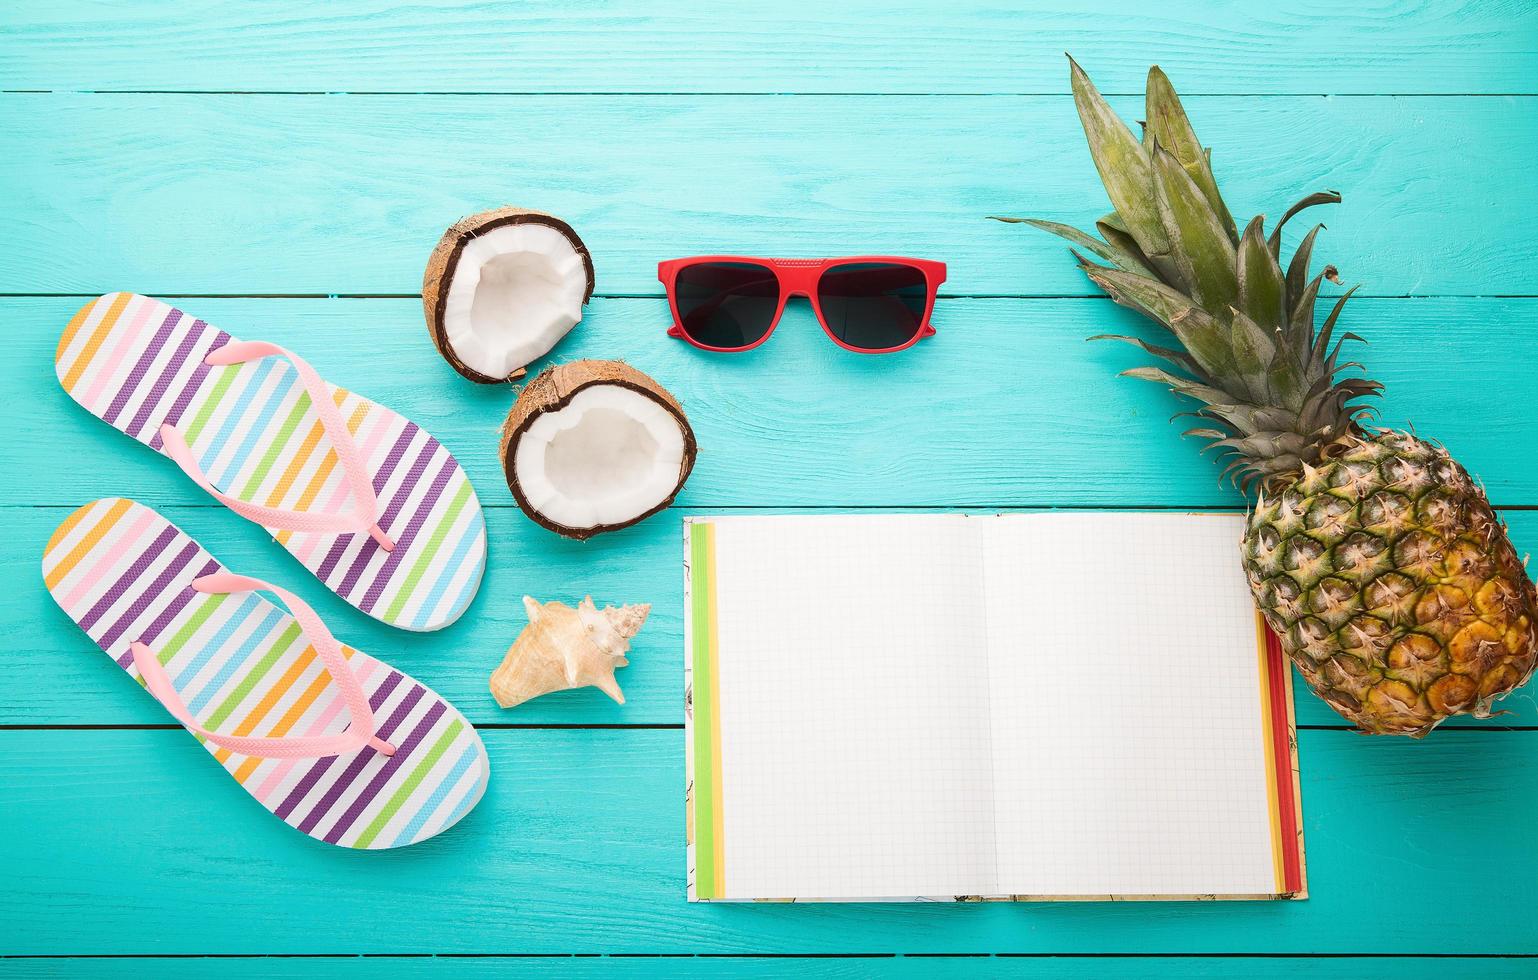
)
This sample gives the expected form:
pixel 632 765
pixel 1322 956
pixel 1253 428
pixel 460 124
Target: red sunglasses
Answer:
pixel 873 304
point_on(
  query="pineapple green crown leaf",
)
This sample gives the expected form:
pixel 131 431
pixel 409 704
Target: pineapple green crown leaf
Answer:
pixel 1273 391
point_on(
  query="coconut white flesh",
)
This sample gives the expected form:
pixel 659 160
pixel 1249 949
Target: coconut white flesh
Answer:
pixel 608 457
pixel 515 291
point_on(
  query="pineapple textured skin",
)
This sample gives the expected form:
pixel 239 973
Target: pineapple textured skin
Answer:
pixel 1392 585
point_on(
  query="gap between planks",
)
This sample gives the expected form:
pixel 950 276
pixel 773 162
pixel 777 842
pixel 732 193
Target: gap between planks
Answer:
pixel 772 956
pixel 750 93
pixel 844 508
pixel 641 727
pixel 1032 297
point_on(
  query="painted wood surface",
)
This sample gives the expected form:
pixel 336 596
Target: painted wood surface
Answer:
pixel 328 194
pixel 1050 966
pixel 1253 46
pixel 55 676
pixel 137 153
pixel 1005 406
pixel 578 846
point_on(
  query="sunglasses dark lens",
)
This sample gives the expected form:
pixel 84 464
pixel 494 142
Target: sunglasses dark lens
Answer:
pixel 873 305
pixel 726 304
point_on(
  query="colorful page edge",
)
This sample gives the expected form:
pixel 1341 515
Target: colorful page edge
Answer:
pixel 702 720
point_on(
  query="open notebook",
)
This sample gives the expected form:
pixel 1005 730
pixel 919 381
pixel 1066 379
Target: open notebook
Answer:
pixel 949 707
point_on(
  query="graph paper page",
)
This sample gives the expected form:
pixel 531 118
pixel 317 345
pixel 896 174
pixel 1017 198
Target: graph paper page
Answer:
pixel 853 705
pixel 1125 707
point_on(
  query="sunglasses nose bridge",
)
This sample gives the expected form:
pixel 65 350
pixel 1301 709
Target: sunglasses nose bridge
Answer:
pixel 797 278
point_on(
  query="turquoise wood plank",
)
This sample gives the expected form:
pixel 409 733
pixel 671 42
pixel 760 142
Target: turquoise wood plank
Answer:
pixel 324 194
pixel 857 45
pixel 63 679
pixel 1089 967
pixel 134 842
pixel 53 675
pixel 327 218
pixel 1005 406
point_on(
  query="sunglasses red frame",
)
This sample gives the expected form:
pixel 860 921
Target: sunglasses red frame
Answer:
pixel 799 277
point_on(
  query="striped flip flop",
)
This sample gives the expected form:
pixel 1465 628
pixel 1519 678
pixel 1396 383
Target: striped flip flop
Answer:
pixel 365 499
pixel 335 743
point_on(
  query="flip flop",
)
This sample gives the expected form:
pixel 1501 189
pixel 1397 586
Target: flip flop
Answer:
pixel 290 452
pixel 333 742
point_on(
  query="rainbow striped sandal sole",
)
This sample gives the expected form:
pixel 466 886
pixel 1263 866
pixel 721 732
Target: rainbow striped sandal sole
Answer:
pixel 254 426
pixel 334 743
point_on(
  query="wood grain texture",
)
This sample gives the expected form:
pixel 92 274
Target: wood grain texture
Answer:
pixel 1058 430
pixel 241 195
pixel 135 841
pixel 1451 46
pixel 913 123
pixel 53 675
pixel 1005 406
pixel 922 967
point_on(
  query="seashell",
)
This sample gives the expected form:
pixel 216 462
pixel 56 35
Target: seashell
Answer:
pixel 564 648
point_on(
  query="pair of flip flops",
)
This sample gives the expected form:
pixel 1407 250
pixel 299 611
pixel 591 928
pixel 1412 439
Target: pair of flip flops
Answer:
pixel 335 743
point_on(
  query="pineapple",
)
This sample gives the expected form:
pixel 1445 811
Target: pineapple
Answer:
pixel 1372 554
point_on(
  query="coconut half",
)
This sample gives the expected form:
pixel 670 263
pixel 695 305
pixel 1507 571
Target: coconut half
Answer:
pixel 595 446
pixel 502 288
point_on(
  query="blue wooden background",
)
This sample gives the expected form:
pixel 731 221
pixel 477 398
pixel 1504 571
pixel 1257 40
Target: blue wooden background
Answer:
pixel 282 169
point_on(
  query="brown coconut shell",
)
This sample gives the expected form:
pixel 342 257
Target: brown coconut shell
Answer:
pixel 552 390
pixel 445 259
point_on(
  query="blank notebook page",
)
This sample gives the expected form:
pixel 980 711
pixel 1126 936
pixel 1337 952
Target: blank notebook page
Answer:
pixel 1125 707
pixel 853 698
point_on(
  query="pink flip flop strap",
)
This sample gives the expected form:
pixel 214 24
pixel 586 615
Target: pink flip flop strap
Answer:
pixel 359 733
pixel 365 513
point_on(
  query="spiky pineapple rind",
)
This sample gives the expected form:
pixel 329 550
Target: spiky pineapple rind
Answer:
pixel 1393 587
